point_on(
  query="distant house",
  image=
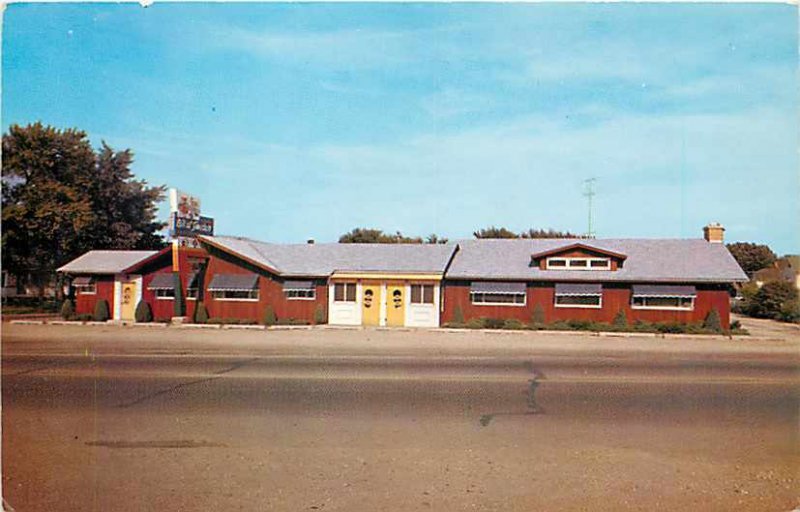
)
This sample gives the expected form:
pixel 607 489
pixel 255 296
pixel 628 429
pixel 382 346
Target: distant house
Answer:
pixel 785 269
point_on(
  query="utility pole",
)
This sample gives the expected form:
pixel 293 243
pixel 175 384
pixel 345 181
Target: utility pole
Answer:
pixel 589 193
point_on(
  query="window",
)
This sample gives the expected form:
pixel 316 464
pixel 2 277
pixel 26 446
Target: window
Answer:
pixel 578 295
pixel 344 292
pixel 86 289
pixel 579 263
pixel 165 294
pixel 663 302
pixel 499 293
pixel 299 294
pixel 579 301
pixel 422 294
pixel 654 296
pixel 235 294
pixel 498 298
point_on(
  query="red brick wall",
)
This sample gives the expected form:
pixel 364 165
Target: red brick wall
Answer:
pixel 85 303
pixel 457 294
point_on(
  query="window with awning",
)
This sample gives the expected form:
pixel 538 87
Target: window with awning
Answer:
pixel 234 287
pixel 163 285
pixel 579 295
pixel 656 296
pixel 499 293
pixel 85 285
pixel 298 290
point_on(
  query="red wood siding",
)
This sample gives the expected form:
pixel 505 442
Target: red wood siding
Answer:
pixel 456 294
pixel 270 293
pixel 164 309
pixel 85 303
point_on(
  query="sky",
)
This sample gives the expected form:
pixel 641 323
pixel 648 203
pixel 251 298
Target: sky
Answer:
pixel 298 121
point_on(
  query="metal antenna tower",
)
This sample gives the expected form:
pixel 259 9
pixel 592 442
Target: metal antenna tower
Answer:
pixel 589 193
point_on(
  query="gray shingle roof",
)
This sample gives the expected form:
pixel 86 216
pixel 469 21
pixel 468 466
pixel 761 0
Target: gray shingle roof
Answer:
pixel 325 259
pixel 648 260
pixel 105 262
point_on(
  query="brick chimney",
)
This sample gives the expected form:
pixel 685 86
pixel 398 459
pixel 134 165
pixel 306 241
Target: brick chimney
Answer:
pixel 310 241
pixel 714 233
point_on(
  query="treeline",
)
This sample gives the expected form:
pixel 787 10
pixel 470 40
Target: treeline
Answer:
pixel 377 236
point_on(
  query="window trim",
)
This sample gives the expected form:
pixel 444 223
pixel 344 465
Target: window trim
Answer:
pixel 159 297
pixel 516 304
pixel 663 308
pixel 568 263
pixel 228 299
pixel 79 290
pixel 344 294
pixel 579 306
pixel 289 290
pixel 421 294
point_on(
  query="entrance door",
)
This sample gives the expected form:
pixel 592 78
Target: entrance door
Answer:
pixel 371 304
pixel 395 305
pixel 127 308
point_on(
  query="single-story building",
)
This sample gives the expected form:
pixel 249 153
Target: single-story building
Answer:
pixel 421 285
pixel 653 280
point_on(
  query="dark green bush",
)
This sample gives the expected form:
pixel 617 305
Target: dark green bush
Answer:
pixel 475 323
pixel 319 315
pixel 669 328
pixel 458 315
pixel 769 300
pixel 67 310
pixel 712 321
pixel 101 311
pixel 620 320
pixel 514 324
pixel 143 312
pixel 83 317
pixel 537 318
pixel 581 325
pixel 230 321
pixel 269 316
pixel 200 313
pixel 790 311
pixel 291 321
pixel 493 323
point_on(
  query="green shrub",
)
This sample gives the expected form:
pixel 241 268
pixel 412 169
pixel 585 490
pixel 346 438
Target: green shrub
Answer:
pixel 200 313
pixel 101 311
pixel 559 326
pixel 669 328
pixel 269 316
pixel 493 323
pixel 712 321
pixel 537 318
pixel 67 310
pixel 620 320
pixel 513 323
pixel 790 311
pixel 291 321
pixel 84 317
pixel 580 325
pixel 319 315
pixel 769 301
pixel 458 315
pixel 230 321
pixel 475 323
pixel 143 312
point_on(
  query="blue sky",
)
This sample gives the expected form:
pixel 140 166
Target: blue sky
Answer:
pixel 296 121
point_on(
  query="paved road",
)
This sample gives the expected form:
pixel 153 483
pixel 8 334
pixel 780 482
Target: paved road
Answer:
pixel 88 431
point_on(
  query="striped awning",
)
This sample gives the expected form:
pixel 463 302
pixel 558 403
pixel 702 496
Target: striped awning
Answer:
pixel 298 285
pixel 663 290
pixel 579 289
pixel 233 282
pixel 83 281
pixel 162 282
pixel 497 287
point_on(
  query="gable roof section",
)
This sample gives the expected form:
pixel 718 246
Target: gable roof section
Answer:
pixel 648 260
pixel 105 262
pixel 577 245
pixel 322 260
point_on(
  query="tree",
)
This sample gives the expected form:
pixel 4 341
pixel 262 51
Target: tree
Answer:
pixel 547 233
pixel 493 232
pixel 377 236
pixel 61 199
pixel 752 257
pixel 771 299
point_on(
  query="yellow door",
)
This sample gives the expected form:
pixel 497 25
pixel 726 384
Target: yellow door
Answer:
pixel 128 303
pixel 371 304
pixel 395 305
